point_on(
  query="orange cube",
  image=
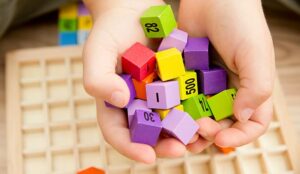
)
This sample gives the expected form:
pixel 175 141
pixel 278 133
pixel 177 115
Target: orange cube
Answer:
pixel 140 86
pixel 91 170
pixel 226 150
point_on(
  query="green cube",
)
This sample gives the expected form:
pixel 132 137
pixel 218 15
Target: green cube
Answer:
pixel 197 107
pixel 158 21
pixel 67 25
pixel 221 104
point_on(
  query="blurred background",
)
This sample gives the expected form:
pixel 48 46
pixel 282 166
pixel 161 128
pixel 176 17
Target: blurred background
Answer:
pixel 283 17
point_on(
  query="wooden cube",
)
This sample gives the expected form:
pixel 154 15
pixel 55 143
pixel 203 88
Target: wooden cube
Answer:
pixel 162 95
pixel 197 107
pixel 170 64
pixel 180 125
pixel 140 86
pixel 145 127
pixel 212 81
pixel 188 85
pixel 177 39
pixel 164 112
pixel 221 104
pixel 158 21
pixel 196 54
pixel 139 61
pixel 136 104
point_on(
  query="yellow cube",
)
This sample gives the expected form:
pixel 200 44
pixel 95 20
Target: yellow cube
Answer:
pixel 69 11
pixel 164 112
pixel 188 85
pixel 170 64
pixel 85 22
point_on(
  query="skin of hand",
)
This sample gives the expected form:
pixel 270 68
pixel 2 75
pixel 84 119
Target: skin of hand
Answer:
pixel 239 32
pixel 117 27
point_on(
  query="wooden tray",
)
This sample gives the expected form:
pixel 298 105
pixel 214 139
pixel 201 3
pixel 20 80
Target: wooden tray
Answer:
pixel 52 127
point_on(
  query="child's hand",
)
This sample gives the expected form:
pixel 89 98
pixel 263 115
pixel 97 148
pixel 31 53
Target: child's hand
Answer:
pixel 239 32
pixel 114 32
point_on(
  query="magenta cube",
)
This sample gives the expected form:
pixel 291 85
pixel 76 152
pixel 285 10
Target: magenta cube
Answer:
pixel 128 80
pixel 162 95
pixel 145 127
pixel 180 125
pixel 136 104
pixel 212 81
pixel 177 39
pixel 196 54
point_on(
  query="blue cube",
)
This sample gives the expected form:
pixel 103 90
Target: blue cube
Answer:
pixel 67 38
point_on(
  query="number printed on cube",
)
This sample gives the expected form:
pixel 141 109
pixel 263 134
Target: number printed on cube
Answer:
pixel 197 107
pixel 158 21
pixel 162 95
pixel 188 85
pixel 136 104
pixel 145 127
pixel 221 104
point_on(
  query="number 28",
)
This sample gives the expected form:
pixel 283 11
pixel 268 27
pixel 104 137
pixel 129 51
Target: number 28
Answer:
pixel 151 27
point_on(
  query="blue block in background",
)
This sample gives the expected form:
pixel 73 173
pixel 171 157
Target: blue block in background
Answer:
pixel 67 38
pixel 82 36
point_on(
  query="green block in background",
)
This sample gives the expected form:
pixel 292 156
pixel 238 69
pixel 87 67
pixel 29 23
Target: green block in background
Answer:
pixel 221 104
pixel 67 25
pixel 158 21
pixel 197 107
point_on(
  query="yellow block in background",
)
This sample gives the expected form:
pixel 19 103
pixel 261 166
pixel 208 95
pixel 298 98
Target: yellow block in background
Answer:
pixel 85 22
pixel 68 11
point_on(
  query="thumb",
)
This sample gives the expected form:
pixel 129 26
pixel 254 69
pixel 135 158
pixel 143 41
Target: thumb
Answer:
pixel 100 61
pixel 255 67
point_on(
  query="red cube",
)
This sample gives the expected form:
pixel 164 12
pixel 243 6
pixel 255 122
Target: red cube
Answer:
pixel 138 61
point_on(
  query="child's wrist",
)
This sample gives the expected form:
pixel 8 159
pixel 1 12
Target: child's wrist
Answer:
pixel 98 7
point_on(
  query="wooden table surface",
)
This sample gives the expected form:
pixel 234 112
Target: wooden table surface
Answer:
pixel 285 28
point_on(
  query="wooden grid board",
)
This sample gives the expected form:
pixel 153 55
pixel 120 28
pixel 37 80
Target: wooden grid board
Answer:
pixel 52 127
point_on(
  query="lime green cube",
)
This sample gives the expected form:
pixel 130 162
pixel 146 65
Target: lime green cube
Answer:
pixel 197 107
pixel 67 25
pixel 221 104
pixel 158 21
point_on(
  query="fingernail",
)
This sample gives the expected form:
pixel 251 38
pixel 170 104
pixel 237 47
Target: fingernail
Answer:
pixel 117 99
pixel 246 114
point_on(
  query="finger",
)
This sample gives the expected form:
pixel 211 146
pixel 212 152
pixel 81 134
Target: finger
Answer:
pixel 242 133
pixel 113 125
pixel 208 128
pixel 194 138
pixel 100 78
pixel 199 145
pixel 169 148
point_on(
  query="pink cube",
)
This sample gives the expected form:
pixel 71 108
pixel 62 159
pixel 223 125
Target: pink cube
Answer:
pixel 177 39
pixel 162 95
pixel 136 104
pixel 180 125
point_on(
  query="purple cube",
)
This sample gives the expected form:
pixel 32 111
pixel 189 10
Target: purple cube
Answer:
pixel 82 10
pixel 145 127
pixel 180 125
pixel 128 80
pixel 196 54
pixel 162 95
pixel 177 39
pixel 136 104
pixel 212 81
